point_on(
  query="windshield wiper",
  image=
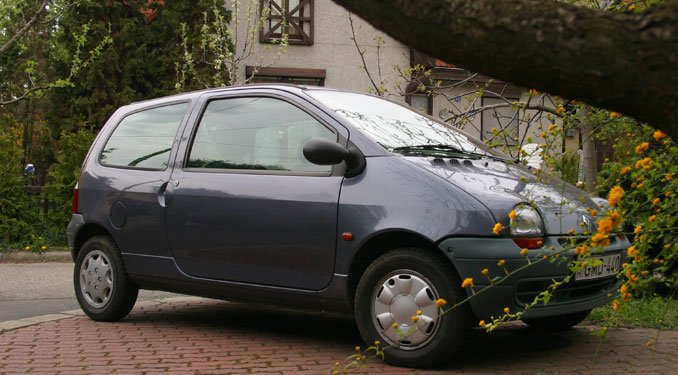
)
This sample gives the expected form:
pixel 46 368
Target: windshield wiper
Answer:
pixel 434 150
pixel 445 150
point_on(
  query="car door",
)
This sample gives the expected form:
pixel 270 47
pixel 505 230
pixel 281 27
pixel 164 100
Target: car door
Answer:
pixel 246 206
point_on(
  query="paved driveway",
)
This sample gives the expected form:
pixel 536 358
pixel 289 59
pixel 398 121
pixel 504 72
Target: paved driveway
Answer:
pixel 191 335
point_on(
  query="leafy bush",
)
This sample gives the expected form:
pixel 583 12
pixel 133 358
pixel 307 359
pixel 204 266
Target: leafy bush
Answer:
pixel 17 207
pixel 63 175
pixel 645 169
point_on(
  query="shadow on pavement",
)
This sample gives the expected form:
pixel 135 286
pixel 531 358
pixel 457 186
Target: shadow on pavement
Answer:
pixel 505 346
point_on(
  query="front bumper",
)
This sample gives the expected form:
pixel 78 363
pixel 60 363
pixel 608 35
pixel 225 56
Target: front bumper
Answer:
pixel 471 255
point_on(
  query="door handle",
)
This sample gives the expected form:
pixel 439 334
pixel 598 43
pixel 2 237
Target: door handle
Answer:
pixel 166 191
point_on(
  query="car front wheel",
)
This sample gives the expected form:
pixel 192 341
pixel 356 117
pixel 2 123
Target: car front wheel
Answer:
pixel 395 304
pixel 102 287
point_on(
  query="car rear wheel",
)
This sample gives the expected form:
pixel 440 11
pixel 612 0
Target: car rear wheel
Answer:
pixel 395 304
pixel 559 322
pixel 102 287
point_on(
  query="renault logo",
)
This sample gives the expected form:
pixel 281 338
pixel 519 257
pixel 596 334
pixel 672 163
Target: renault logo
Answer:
pixel 589 223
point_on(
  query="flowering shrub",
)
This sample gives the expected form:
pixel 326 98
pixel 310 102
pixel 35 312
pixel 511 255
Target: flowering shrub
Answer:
pixel 642 185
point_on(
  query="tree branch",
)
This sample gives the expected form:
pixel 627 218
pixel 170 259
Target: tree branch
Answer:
pixel 621 62
pixel 26 27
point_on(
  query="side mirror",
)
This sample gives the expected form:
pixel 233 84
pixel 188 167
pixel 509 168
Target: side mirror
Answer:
pixel 322 151
pixel 29 170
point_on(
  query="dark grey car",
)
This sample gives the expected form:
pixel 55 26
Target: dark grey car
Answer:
pixel 326 200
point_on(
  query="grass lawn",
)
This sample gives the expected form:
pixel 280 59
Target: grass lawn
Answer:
pixel 655 312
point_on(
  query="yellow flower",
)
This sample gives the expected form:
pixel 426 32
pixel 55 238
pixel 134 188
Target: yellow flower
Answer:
pixel 43 248
pixel 467 283
pixel 615 305
pixel 501 263
pixel 600 239
pixel 631 251
pixel 560 110
pixel 415 318
pixel 615 217
pixel 419 312
pixel 494 130
pixel 524 252
pixel 481 323
pixel 506 310
pixel 642 147
pixel 543 134
pixel 616 194
pixel 512 214
pixel 497 228
pixel 571 232
pixel 552 127
pixel 637 229
pixel 615 114
pixel 658 134
pixel 582 250
pixel 394 325
pixel 624 289
pixel 644 163
pixel 533 92
pixel 485 271
pixel 594 212
pixel 27 248
pixel 441 302
pixel 652 218
pixel 656 201
pixel 604 226
pixel 625 170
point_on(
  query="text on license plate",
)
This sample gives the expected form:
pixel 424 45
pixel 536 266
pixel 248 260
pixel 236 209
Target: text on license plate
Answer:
pixel 610 266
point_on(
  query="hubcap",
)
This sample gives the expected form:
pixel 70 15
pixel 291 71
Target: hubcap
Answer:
pixel 96 279
pixel 400 296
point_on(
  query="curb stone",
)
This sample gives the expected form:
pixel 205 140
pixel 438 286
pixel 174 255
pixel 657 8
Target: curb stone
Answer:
pixel 25 322
pixel 31 257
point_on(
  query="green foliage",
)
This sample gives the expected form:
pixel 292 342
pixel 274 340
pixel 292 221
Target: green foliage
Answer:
pixel 653 312
pixel 17 208
pixel 567 165
pixel 207 50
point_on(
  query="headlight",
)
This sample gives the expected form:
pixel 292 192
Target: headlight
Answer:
pixel 527 228
pixel 526 222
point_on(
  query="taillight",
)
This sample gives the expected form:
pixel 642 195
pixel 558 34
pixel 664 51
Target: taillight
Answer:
pixel 75 198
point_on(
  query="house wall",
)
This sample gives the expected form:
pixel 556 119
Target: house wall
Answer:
pixel 333 49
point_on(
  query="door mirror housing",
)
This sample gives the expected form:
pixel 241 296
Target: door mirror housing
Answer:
pixel 322 151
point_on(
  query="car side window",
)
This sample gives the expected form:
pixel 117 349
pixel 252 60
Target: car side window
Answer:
pixel 144 139
pixel 255 133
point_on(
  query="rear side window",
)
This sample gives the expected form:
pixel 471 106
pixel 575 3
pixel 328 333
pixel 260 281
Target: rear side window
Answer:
pixel 144 139
pixel 256 134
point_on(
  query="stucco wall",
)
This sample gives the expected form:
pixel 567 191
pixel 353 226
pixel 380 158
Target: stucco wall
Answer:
pixel 333 49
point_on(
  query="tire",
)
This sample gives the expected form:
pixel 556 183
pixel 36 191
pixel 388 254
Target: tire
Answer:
pixel 383 297
pixel 559 322
pixel 102 287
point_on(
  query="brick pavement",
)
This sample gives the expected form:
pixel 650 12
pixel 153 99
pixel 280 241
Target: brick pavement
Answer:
pixel 204 336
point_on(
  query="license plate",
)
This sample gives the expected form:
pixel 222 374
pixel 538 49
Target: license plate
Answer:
pixel 609 267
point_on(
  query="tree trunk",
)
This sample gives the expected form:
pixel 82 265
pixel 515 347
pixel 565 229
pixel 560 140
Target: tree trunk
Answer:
pixel 622 62
pixel 588 151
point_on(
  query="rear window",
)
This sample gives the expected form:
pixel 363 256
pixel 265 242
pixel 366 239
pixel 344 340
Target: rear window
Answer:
pixel 144 139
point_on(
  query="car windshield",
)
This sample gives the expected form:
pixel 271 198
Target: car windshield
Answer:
pixel 399 129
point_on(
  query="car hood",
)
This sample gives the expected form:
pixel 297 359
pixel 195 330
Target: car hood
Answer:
pixel 501 185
